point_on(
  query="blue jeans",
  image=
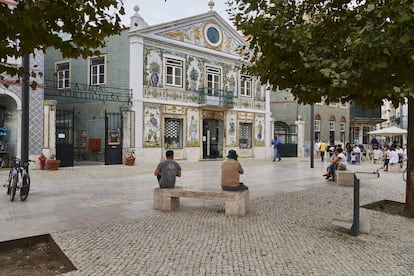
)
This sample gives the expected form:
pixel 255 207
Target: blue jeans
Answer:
pixel 331 169
pixel 276 155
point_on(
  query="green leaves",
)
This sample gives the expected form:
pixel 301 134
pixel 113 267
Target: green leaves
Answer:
pixel 331 50
pixel 37 25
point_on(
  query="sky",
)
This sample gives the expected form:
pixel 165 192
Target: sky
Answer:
pixel 161 11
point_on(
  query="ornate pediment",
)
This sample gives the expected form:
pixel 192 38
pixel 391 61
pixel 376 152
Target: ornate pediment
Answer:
pixel 208 30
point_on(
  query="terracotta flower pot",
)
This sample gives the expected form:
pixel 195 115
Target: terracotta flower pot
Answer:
pixel 53 164
pixel 130 161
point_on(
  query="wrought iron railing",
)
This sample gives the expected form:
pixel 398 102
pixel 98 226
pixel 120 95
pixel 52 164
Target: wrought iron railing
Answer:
pixel 205 97
pixel 216 97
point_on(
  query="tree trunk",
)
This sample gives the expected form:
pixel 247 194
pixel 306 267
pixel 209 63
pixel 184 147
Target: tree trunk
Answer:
pixel 409 201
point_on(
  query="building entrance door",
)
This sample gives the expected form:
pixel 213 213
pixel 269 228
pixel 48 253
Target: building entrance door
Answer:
pixel 113 138
pixel 65 137
pixel 212 139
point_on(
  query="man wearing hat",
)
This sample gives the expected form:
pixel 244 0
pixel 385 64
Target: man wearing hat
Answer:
pixel 230 173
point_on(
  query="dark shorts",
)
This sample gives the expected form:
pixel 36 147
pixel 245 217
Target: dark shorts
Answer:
pixel 241 187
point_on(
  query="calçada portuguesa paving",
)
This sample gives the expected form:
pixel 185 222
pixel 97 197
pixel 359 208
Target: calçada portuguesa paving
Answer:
pixel 102 218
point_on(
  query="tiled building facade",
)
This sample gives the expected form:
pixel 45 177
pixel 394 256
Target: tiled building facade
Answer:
pixel 175 86
pixel 11 110
pixel 192 97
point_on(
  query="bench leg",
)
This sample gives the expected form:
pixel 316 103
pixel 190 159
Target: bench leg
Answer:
pixel 238 206
pixel 165 203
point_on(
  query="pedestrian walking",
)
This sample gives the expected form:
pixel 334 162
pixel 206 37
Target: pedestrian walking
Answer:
pixel 276 147
pixel 317 148
pixel 386 158
pixel 322 149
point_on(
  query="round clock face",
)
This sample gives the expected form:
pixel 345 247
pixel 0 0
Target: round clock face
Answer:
pixel 213 34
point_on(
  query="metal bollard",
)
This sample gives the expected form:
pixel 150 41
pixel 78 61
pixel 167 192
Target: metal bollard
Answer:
pixel 355 224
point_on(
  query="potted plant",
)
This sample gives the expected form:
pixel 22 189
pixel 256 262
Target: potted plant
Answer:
pixel 130 158
pixel 52 163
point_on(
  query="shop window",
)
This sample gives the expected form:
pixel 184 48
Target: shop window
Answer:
pixel 173 133
pixel 63 75
pixel 245 136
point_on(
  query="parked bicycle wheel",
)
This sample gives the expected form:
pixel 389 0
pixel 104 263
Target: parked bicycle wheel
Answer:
pixel 13 187
pixel 24 190
pixel 404 175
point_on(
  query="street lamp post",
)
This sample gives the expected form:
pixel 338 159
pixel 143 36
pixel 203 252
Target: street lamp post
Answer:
pixel 25 111
pixel 312 138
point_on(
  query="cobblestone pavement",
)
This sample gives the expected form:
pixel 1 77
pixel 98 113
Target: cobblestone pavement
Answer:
pixel 102 218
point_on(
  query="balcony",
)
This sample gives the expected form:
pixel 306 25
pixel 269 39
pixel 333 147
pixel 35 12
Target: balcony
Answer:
pixel 208 98
pixel 216 98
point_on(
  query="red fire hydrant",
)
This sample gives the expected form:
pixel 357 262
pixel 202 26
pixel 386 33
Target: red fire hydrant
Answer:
pixel 42 160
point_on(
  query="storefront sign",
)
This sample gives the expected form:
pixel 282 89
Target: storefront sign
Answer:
pixel 91 92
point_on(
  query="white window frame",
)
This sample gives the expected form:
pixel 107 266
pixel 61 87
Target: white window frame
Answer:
pixel 331 125
pixel 342 126
pixel 62 75
pixel 317 126
pixel 177 72
pixel 245 86
pixel 213 80
pixel 97 72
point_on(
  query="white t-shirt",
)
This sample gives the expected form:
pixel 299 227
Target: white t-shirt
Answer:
pixel 353 157
pixel 342 158
pixel 378 152
pixel 394 158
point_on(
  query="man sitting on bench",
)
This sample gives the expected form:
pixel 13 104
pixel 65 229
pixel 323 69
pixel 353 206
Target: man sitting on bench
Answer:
pixel 230 173
pixel 167 171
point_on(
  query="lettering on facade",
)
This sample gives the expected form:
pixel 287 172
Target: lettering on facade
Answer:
pixel 93 92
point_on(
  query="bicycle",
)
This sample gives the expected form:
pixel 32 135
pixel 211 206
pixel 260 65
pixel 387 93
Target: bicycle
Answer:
pixel 404 174
pixel 19 179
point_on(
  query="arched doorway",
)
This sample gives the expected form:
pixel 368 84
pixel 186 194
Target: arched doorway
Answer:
pixel 9 128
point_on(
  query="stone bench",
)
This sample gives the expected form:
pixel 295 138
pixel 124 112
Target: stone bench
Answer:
pixel 345 178
pixel 236 203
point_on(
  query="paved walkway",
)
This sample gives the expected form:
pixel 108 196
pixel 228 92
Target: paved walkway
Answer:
pixel 102 217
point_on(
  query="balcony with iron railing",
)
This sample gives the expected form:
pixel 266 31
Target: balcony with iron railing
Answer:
pixel 206 97
pixel 216 98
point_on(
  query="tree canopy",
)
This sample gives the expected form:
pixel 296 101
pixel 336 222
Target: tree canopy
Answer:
pixel 334 50
pixel 75 27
